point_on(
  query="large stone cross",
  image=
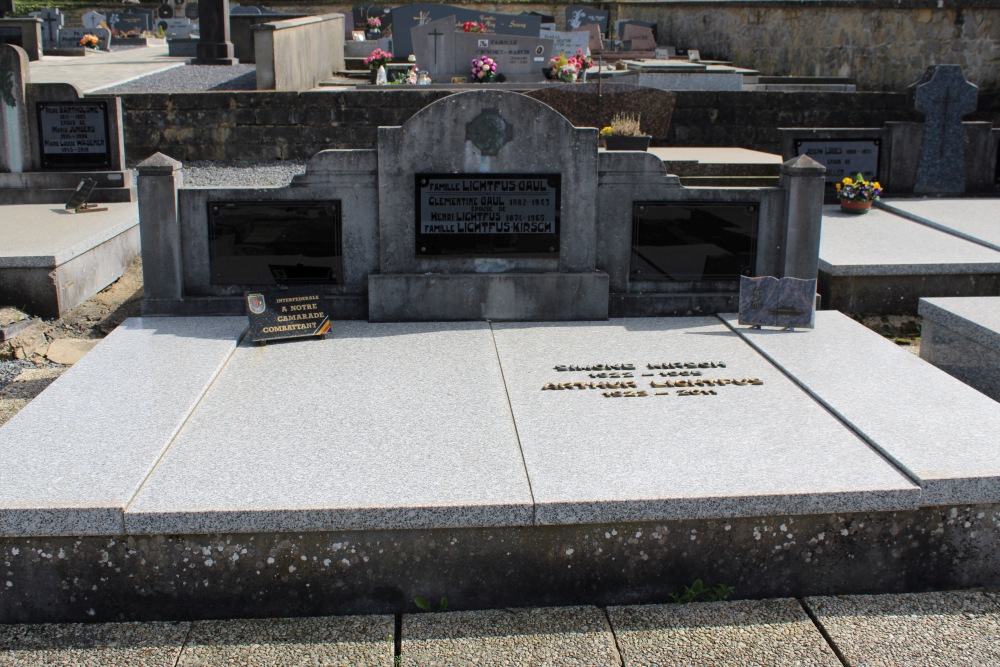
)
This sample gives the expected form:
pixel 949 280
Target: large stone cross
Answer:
pixel 944 97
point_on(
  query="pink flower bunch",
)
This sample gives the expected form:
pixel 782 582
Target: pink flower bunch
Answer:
pixel 582 61
pixel 473 26
pixel 484 69
pixel 378 58
pixel 374 22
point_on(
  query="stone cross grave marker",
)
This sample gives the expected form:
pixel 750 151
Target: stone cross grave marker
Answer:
pixel 944 97
pixel 52 21
pixel 434 46
pixel 15 151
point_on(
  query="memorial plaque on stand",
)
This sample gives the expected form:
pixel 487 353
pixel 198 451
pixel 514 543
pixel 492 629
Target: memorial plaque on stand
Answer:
pixel 74 135
pixel 287 313
pixel 772 302
pixel 487 215
pixel 843 157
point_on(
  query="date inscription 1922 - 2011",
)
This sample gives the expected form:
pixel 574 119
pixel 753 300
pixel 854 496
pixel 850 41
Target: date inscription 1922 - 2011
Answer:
pixel 620 380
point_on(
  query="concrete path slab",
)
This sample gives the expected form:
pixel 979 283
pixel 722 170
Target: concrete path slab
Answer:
pixel 883 243
pixel 942 432
pixel 378 426
pixel 776 633
pixel 359 641
pixel 72 459
pixel 976 220
pixel 92 645
pixel 100 70
pixel 739 448
pixel 551 637
pixel 47 235
pixel 952 629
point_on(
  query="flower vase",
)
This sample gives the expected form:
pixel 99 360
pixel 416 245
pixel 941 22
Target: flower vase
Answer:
pixel 855 207
pixel 373 75
pixel 380 77
pixel 373 33
pixel 583 76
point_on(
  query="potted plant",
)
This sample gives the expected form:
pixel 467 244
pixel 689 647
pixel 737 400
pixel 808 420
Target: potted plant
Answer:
pixel 377 60
pixel 856 194
pixel 624 134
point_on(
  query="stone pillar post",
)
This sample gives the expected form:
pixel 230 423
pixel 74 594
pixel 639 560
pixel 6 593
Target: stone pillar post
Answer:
pixel 214 45
pixel 159 228
pixel 803 180
pixel 15 147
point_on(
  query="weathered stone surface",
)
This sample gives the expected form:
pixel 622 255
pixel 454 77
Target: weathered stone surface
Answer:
pixel 961 336
pixel 944 97
pixel 593 105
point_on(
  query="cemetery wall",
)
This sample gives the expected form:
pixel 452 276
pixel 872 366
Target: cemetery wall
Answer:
pixel 294 125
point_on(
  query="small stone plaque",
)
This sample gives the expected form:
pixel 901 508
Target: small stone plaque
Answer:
pixel 289 313
pixel 487 214
pixel 771 302
pixel 74 135
pixel 843 157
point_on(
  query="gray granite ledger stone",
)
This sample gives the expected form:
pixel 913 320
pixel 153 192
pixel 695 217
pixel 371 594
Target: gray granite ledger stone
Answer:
pixel 944 97
pixel 961 336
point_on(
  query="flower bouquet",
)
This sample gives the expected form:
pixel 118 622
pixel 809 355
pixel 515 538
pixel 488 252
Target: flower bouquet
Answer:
pixel 378 58
pixel 473 26
pixel 89 41
pixel 484 70
pixel 856 194
pixel 564 69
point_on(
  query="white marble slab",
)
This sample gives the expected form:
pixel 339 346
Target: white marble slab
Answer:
pixel 72 459
pixel 379 426
pixel 939 430
pixel 976 220
pixel 746 451
pixel 882 243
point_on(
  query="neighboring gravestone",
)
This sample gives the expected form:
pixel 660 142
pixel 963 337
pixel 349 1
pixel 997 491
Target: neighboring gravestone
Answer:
pixel 69 38
pixel 15 150
pixel 620 26
pixel 12 36
pixel 214 44
pixel 517 58
pixel 73 134
pixel 578 16
pixel 175 28
pixel 434 46
pixel 770 302
pixel 944 97
pixel 52 21
pixel 567 42
pixel 640 36
pixel 409 16
pixel 93 20
pixel 594 40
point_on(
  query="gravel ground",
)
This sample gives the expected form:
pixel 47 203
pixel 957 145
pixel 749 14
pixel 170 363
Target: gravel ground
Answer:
pixel 11 369
pixel 242 174
pixel 192 78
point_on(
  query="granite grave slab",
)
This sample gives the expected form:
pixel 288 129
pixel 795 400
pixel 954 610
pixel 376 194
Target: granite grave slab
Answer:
pixel 405 426
pixel 95 434
pixel 961 336
pixel 606 443
pixel 930 425
pixel 974 220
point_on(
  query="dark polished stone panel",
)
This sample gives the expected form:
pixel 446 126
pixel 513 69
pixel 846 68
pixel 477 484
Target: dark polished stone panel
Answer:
pixel 693 241
pixel 74 135
pixel 275 243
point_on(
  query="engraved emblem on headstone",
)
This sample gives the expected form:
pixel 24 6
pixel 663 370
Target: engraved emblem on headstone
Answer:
pixel 489 132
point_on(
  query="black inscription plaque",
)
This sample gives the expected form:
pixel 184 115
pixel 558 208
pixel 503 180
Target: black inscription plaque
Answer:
pixel 275 243
pixel 74 135
pixel 487 215
pixel 843 157
pixel 287 313
pixel 693 241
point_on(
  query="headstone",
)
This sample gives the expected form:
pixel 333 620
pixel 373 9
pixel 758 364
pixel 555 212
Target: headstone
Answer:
pixel 191 11
pixel 434 46
pixel 578 16
pixel 214 45
pixel 52 21
pixel 944 97
pixel 641 37
pixel 124 24
pixel 93 20
pixel 69 38
pixel 146 15
pixel 409 16
pixel 174 28
pixel 620 26
pixel 567 42
pixel 594 41
pixel 15 151
pixel 291 313
pixel 772 302
pixel 516 57
pixel 248 10
pixel 843 157
pixel 694 55
pixel 74 135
